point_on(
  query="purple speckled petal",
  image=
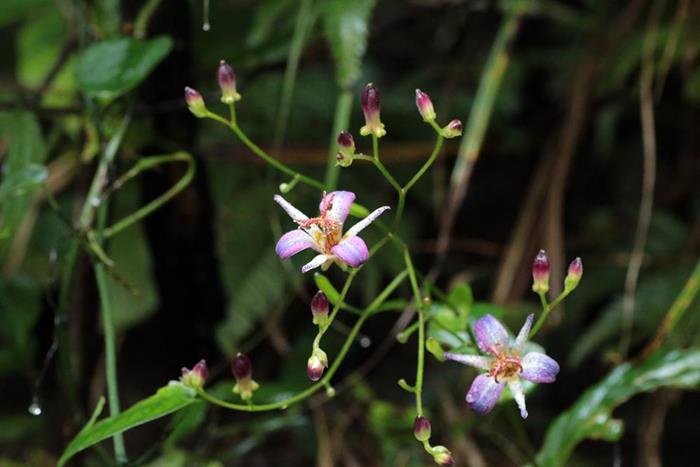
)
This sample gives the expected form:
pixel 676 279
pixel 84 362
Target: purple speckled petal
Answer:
pixel 516 390
pixel 539 368
pixel 484 393
pixel 523 334
pixel 296 215
pixel 490 334
pixel 477 361
pixel 293 242
pixel 337 204
pixel 352 251
pixel 355 229
pixel 314 263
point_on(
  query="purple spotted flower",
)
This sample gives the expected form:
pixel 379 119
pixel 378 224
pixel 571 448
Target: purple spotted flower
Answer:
pixel 504 365
pixel 324 234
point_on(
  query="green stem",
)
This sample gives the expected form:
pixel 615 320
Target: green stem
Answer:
pixel 144 17
pixel 341 120
pixel 263 155
pixel 336 308
pixel 546 310
pixel 380 166
pixel 427 164
pixel 301 28
pixel 421 332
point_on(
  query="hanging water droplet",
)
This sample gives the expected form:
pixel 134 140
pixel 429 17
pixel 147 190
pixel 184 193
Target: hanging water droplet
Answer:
pixel 95 201
pixel 34 408
pixel 205 15
pixel 365 342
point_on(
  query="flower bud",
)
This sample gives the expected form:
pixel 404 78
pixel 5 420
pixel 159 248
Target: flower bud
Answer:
pixel 540 273
pixel 421 429
pixel 242 370
pixel 452 129
pixel 442 455
pixel 227 83
pixel 196 377
pixel 346 149
pixel 319 308
pixel 195 102
pixel 370 107
pixel 316 365
pixel 425 106
pixel 573 276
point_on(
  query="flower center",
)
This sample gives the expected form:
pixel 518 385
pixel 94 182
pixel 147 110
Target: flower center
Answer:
pixel 505 366
pixel 325 232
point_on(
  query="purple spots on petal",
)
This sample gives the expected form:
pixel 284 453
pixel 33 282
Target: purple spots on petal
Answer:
pixel 336 205
pixel 490 334
pixel 292 243
pixel 352 251
pixel 539 368
pixel 484 393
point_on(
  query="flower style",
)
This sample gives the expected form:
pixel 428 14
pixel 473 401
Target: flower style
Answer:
pixel 506 364
pixel 324 234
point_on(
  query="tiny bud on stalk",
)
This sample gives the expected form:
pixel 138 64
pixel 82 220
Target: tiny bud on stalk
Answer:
pixel 195 102
pixel 346 149
pixel 319 308
pixel 573 276
pixel 242 370
pixel 452 129
pixel 421 429
pixel 442 456
pixel 196 377
pixel 425 106
pixel 316 365
pixel 371 105
pixel 227 83
pixel 540 273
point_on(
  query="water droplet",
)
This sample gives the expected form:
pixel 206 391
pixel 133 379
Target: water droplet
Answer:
pixel 95 201
pixel 34 408
pixel 205 14
pixel 365 342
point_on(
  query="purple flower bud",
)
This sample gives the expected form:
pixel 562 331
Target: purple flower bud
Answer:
pixel 242 370
pixel 442 455
pixel 421 429
pixel 241 367
pixel 316 365
pixel 195 102
pixel 573 276
pixel 227 83
pixel 346 149
pixel 196 377
pixel 319 308
pixel 452 129
pixel 371 105
pixel 425 106
pixel 540 273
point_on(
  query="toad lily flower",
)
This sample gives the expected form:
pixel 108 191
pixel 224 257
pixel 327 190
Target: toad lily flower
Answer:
pixel 324 234
pixel 506 364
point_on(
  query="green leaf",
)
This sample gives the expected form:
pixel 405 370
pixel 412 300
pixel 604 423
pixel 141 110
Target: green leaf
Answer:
pixel 22 182
pixel 111 68
pixel 347 28
pixel 168 399
pixel 39 44
pixel 591 415
pixel 13 10
pixel 448 321
pixel 25 150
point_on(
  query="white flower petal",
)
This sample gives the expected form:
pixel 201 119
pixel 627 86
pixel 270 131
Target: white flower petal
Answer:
pixel 517 391
pixel 314 263
pixel 296 215
pixel 523 334
pixel 355 229
pixel 477 361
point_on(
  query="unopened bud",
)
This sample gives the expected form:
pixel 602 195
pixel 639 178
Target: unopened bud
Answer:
pixel 227 83
pixel 573 276
pixel 319 308
pixel 316 365
pixel 540 273
pixel 442 455
pixel 425 106
pixel 421 429
pixel 195 102
pixel 346 149
pixel 196 377
pixel 371 105
pixel 242 370
pixel 452 129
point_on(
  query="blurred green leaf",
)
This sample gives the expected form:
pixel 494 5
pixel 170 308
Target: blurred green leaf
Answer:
pixel 347 28
pixel 108 16
pixel 266 20
pixel 109 69
pixel 20 304
pixel 448 321
pixel 185 422
pixel 22 181
pixel 13 10
pixel 25 150
pixel 591 415
pixel 168 399
pixel 39 44
pixel 325 286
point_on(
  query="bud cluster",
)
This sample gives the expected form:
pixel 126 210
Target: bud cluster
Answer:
pixel 226 78
pixel 540 274
pixel 196 377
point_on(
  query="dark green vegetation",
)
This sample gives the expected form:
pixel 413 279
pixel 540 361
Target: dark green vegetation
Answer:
pixel 580 138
